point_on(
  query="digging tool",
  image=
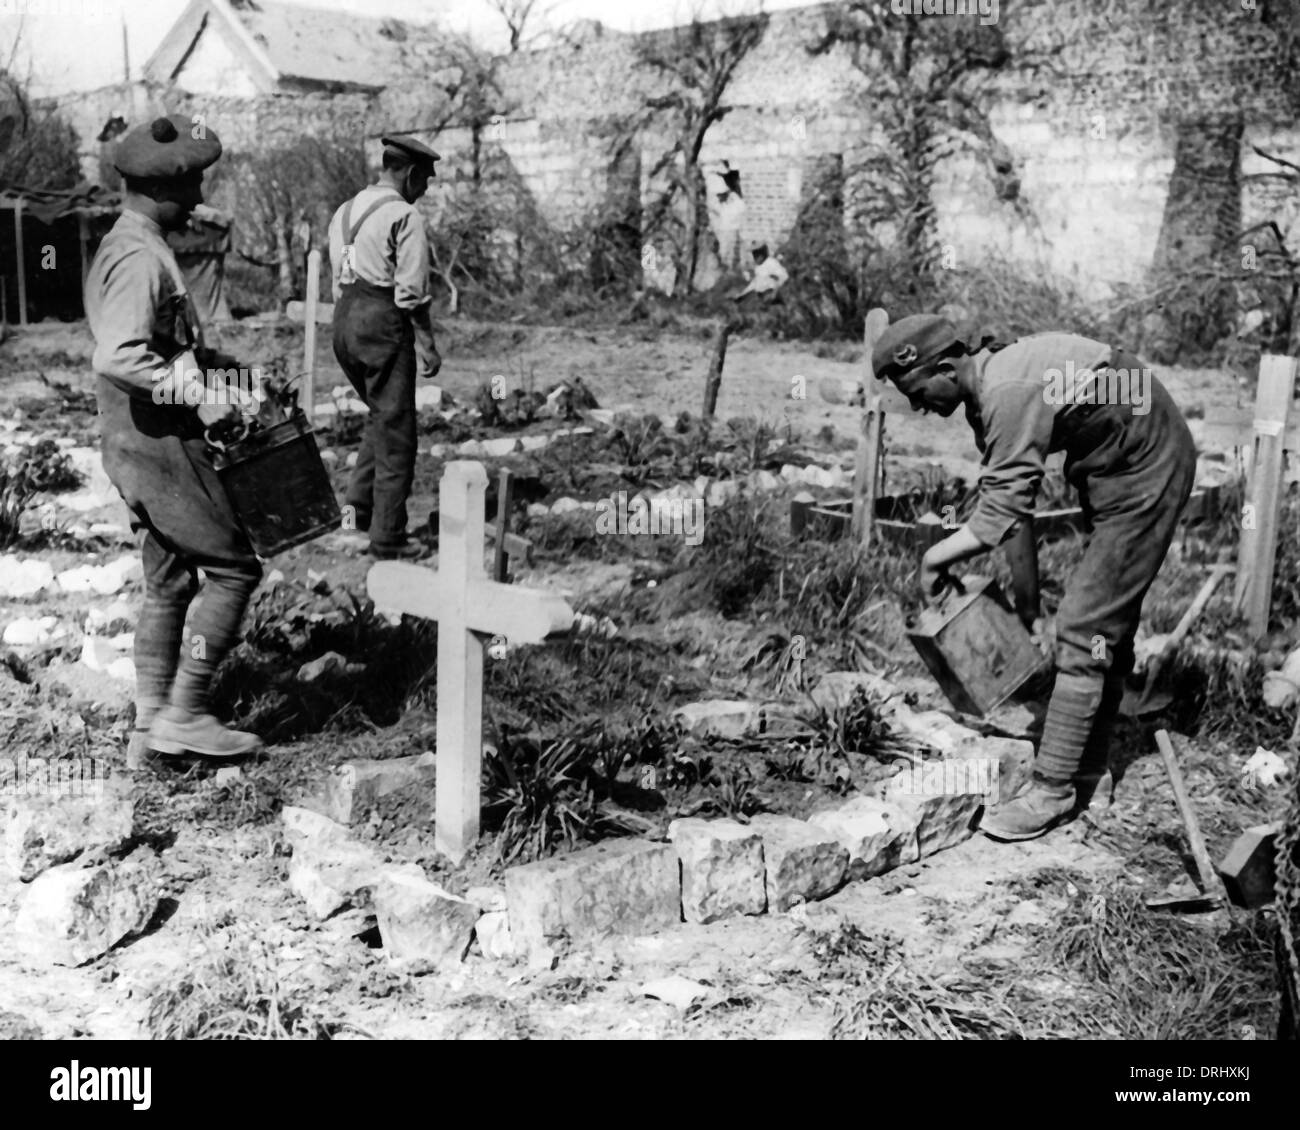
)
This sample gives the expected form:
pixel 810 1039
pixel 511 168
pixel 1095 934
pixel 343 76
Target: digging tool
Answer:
pixel 1210 896
pixel 1136 703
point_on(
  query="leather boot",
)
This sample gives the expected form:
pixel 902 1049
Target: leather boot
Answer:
pixel 1049 799
pixel 1035 810
pixel 177 732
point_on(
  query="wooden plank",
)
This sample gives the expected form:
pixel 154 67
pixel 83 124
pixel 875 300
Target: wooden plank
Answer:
pixel 505 495
pixel 866 477
pixel 1248 870
pixel 21 261
pixel 713 381
pixel 296 311
pixel 309 334
pixel 1257 551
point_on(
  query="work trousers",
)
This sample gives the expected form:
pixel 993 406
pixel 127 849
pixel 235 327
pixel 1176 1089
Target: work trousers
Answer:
pixel 1133 485
pixel 375 344
pixel 157 458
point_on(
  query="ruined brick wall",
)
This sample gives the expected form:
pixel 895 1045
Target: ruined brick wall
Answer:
pixel 1092 130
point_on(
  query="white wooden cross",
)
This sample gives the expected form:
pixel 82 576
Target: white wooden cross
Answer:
pixel 468 606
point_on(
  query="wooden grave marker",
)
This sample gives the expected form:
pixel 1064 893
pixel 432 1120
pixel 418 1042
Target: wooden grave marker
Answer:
pixel 468 607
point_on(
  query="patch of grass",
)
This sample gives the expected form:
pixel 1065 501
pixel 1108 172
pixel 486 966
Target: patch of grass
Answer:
pixel 885 997
pixel 234 991
pixel 1142 975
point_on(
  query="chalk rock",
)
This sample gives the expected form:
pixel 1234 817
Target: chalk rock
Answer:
pixel 351 460
pixel 836 689
pixel 722 492
pixel 331 663
pixel 325 413
pixel 505 445
pixel 353 788
pixel 719 717
pixel 27 632
pixel 623 887
pixel 494 938
pixel 330 876
pixel 329 457
pixel 534 443
pixel 565 505
pixel 69 915
pixel 123 670
pixel 943 819
pixel 428 396
pixel 802 861
pixel 471 449
pixel 97 653
pixel 59 823
pixel 487 899
pixel 23 578
pixel 306 828
pixel 878 836
pixel 422 926
pixel 538 510
pixel 77 580
pixel 722 869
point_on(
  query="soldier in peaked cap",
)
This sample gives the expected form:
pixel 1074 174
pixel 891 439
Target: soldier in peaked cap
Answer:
pixel 1131 457
pixel 383 334
pixel 154 405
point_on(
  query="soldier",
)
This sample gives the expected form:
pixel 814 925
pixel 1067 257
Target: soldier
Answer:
pixel 383 334
pixel 154 406
pixel 1131 457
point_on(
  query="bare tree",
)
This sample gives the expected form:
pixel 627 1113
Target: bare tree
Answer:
pixel 696 63
pixel 518 16
pixel 925 94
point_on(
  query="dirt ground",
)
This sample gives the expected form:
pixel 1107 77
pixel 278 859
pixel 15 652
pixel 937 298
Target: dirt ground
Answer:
pixel 977 928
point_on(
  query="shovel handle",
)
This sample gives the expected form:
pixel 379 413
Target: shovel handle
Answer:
pixel 1209 877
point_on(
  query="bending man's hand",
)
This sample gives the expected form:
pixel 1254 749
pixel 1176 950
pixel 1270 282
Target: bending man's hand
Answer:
pixel 937 563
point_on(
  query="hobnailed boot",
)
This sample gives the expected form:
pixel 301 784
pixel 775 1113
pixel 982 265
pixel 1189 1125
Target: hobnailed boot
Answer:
pixel 178 732
pixel 1049 799
pixel 1034 811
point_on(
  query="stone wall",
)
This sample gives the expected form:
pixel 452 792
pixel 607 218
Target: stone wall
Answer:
pixel 1092 132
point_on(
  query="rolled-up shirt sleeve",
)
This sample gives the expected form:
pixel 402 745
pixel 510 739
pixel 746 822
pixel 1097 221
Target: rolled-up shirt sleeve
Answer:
pixel 123 322
pixel 411 274
pixel 1017 434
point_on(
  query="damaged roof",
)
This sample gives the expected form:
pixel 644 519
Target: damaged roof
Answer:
pixel 289 46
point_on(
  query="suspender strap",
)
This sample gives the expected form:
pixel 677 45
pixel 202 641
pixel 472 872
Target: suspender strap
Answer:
pixel 350 231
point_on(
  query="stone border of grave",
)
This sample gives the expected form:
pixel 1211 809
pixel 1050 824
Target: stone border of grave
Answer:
pixel 710 870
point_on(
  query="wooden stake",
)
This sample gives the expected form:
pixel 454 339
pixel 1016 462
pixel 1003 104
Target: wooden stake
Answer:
pixel 505 494
pixel 866 476
pixel 1022 555
pixel 1258 547
pixel 22 265
pixel 714 380
pixel 309 335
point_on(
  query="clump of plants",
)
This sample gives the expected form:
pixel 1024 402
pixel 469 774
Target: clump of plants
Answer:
pixel 541 796
pixel 40 467
pixel 235 991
